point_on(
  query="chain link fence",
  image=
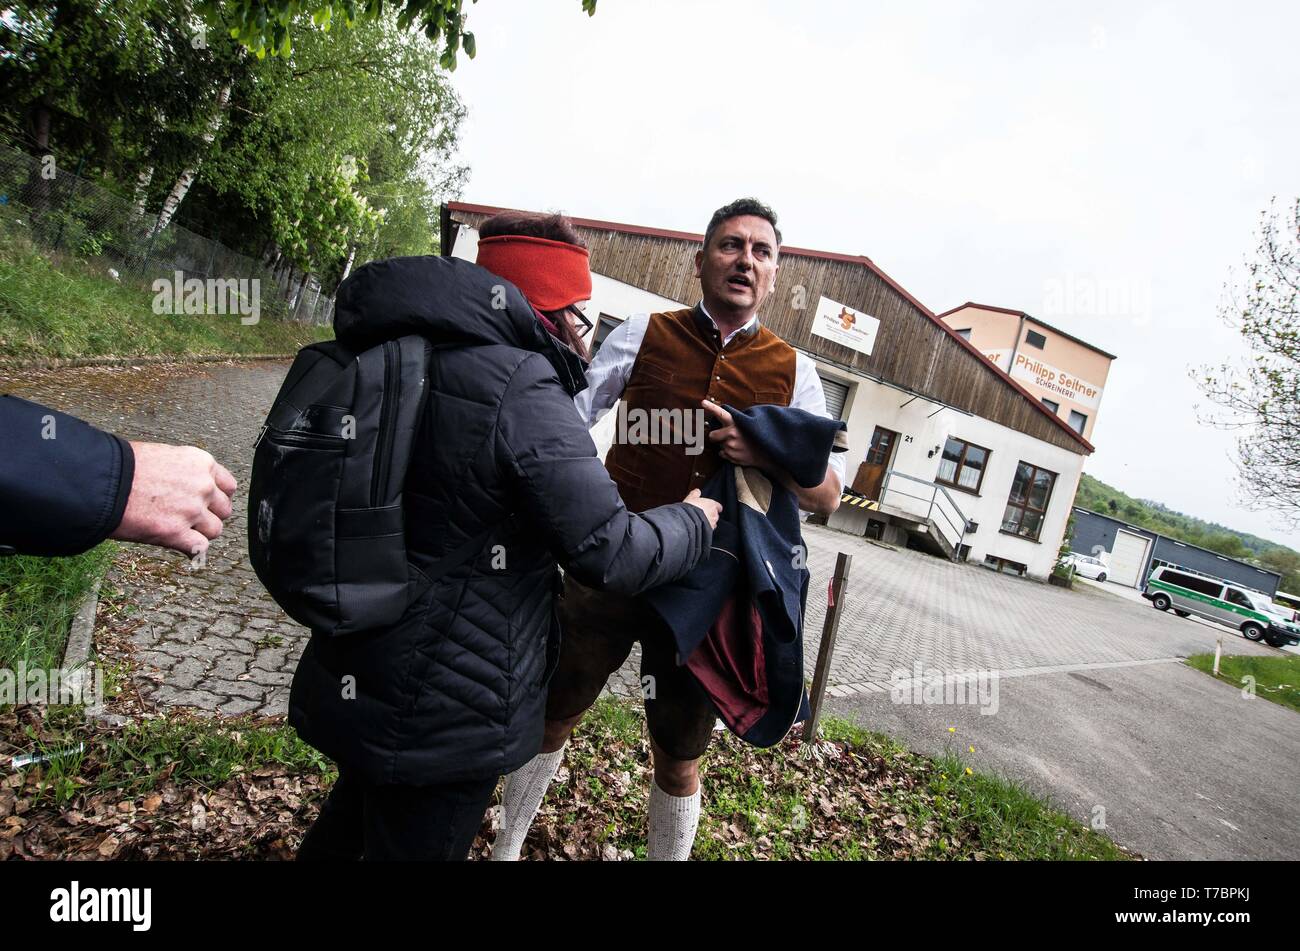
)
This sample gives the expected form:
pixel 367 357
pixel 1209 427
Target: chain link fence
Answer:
pixel 63 212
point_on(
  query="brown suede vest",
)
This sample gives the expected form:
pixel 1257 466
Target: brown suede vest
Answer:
pixel 680 363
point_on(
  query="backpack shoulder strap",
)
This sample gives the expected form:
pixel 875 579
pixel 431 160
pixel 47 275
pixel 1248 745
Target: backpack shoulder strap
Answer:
pixel 471 546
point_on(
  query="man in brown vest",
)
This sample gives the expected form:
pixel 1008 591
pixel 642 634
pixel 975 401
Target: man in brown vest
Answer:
pixel 674 368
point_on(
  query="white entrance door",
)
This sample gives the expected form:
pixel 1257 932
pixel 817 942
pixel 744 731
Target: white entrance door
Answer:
pixel 1127 559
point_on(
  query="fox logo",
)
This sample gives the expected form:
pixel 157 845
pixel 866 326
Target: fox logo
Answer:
pixel 847 318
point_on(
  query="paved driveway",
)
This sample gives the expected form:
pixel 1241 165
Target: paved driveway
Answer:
pixel 208 637
pixel 905 607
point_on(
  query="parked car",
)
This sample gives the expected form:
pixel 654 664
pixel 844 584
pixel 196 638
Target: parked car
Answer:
pixel 1087 566
pixel 1222 602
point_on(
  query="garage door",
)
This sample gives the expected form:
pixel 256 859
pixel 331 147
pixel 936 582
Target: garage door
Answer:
pixel 1128 558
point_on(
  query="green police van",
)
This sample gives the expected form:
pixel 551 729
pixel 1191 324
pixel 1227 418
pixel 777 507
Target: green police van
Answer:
pixel 1220 601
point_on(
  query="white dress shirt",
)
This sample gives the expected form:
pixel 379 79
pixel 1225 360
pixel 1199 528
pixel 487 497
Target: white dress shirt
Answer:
pixel 612 367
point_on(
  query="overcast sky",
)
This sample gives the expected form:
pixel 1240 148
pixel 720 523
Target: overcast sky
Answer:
pixel 1008 153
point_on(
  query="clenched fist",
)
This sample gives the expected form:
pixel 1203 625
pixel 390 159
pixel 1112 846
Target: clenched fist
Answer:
pixel 179 497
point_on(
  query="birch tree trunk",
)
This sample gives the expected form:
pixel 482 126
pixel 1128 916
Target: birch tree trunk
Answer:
pixel 347 268
pixel 186 179
pixel 142 183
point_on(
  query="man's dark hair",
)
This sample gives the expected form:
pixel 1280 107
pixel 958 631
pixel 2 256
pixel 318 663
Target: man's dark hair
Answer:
pixel 741 206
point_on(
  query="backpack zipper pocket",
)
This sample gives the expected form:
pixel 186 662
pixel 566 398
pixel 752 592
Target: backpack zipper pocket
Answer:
pixel 291 437
pixel 387 423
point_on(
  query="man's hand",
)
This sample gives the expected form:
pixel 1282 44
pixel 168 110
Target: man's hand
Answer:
pixel 710 507
pixel 730 441
pixel 179 497
pixel 822 499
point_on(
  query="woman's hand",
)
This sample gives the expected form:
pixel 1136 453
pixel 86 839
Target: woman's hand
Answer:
pixel 709 507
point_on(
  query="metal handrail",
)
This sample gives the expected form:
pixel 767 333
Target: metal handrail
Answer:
pixel 958 528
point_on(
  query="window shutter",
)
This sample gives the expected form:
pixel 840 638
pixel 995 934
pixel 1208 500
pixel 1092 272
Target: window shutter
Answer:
pixel 836 394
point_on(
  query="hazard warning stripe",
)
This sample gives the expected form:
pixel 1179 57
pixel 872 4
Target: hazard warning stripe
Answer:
pixel 860 502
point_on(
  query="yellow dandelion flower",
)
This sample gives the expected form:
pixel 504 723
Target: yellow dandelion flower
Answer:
pixel 952 729
pixel 969 771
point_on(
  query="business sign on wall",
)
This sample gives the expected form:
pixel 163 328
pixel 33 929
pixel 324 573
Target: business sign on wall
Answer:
pixel 844 325
pixel 999 357
pixel 1048 377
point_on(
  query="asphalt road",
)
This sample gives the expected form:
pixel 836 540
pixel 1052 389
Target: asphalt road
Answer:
pixel 1176 765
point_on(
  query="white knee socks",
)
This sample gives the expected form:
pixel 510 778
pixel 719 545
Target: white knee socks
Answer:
pixel 522 797
pixel 673 821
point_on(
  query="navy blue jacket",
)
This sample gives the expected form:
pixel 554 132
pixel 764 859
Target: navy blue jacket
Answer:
pixel 63 483
pixel 738 617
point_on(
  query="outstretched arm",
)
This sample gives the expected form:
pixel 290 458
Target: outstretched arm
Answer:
pixel 568 495
pixel 65 486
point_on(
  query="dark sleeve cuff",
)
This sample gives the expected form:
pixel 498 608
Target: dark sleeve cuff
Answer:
pixel 64 484
pixel 125 479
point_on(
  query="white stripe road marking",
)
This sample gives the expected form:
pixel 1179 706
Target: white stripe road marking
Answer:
pixel 878 686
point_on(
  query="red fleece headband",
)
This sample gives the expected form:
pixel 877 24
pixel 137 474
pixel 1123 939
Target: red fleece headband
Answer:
pixel 551 274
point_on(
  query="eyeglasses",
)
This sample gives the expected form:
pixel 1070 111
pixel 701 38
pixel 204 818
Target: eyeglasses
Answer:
pixel 582 319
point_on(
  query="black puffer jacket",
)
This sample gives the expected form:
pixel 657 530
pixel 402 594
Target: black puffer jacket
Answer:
pixel 456 690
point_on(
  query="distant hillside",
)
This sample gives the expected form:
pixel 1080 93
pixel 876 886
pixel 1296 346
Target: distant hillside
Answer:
pixel 1099 497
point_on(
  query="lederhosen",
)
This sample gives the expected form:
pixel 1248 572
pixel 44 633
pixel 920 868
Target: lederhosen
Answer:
pixel 681 362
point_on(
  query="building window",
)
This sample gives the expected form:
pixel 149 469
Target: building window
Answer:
pixel 1054 407
pixel 962 465
pixel 603 330
pixel 882 446
pixel 1035 339
pixel 1027 505
pixel 964 333
pixel 1078 421
pixel 1002 565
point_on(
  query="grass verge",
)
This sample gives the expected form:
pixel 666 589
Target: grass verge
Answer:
pixel 38 599
pixel 66 307
pixel 859 795
pixel 1273 678
pixel 184 786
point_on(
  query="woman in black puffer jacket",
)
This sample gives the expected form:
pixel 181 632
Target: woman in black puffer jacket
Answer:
pixel 424 716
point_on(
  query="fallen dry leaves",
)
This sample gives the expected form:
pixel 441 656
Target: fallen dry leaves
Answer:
pixel 260 814
pixel 839 800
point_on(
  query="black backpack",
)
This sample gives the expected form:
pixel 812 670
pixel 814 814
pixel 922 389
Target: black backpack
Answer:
pixel 326 532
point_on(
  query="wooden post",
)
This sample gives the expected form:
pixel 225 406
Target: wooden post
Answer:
pixel 830 629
